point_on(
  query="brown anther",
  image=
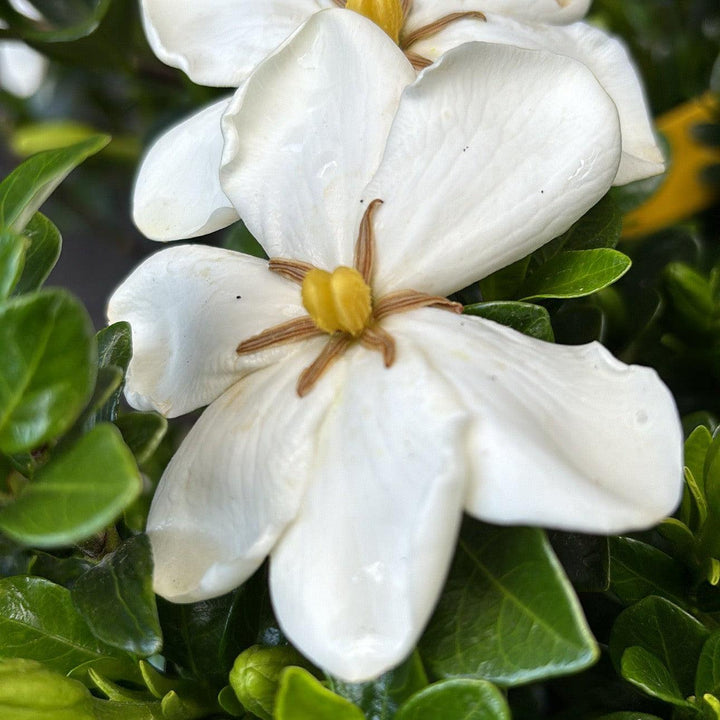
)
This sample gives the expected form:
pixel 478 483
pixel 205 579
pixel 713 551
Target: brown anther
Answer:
pixel 365 246
pixel 292 331
pixel 406 300
pixel 294 270
pixel 375 338
pixel 436 26
pixel 336 346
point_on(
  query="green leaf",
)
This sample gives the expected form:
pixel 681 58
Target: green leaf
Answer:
pixel 117 600
pixel 629 716
pixel 301 697
pixel 638 570
pixel 463 699
pixel 31 183
pixel 229 703
pixel 707 678
pixel 46 367
pixel 600 227
pixel 505 585
pixel 381 698
pixel 696 448
pixel 62 22
pixel 41 256
pixel 645 671
pixel 12 256
pixel 114 350
pixel 142 431
pixel 526 318
pixel 692 297
pixel 504 283
pixel 574 273
pixel 584 559
pixel 38 621
pixel 240 239
pixel 77 494
pixel 664 630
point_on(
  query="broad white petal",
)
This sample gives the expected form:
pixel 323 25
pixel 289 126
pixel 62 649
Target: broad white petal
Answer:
pixel 177 191
pixel 22 69
pixel 606 56
pixel 236 481
pixel 306 133
pixel 354 579
pixel 564 436
pixel 219 42
pixel 189 307
pixel 425 12
pixel 494 151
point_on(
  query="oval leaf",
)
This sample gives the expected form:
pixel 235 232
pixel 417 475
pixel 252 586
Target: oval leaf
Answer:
pixel 42 254
pixel 529 319
pixel 645 671
pixel 301 697
pixel 12 256
pixel 457 700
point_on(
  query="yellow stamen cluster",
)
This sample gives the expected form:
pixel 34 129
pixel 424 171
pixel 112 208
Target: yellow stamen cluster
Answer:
pixel 388 14
pixel 337 301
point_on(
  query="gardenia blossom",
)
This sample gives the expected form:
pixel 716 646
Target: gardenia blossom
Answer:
pixel 220 42
pixel 22 69
pixel 354 414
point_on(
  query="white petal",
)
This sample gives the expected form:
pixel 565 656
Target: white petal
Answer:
pixel 306 132
pixel 564 436
pixel 425 12
pixel 494 151
pixel 22 69
pixel 354 579
pixel 177 191
pixel 606 56
pixel 236 481
pixel 189 307
pixel 219 42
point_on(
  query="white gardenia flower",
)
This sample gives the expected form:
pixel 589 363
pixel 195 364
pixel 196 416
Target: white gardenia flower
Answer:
pixel 353 413
pixel 220 42
pixel 22 69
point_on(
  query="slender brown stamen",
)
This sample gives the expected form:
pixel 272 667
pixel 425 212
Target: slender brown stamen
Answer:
pixel 298 329
pixel 340 3
pixel 375 338
pixel 335 347
pixel 294 270
pixel 417 61
pixel 406 300
pixel 406 7
pixel 434 27
pixel 365 246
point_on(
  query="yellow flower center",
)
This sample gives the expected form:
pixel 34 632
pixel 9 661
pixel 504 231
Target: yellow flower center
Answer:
pixel 337 301
pixel 388 14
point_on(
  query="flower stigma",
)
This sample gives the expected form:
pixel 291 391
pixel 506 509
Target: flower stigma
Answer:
pixel 340 304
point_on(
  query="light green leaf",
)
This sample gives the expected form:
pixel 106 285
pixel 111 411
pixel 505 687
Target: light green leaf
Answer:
pixel 696 448
pixel 462 699
pixel 707 678
pixel 32 182
pixel 46 367
pixel 13 248
pixel 38 621
pixel 117 601
pixel 505 586
pixel 574 273
pixel 77 493
pixel 41 256
pixel 645 671
pixel 227 699
pixel 301 697
pixel 142 431
pixel 526 318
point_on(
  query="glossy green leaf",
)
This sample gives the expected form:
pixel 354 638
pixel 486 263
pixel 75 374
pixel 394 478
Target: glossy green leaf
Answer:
pixel 638 570
pixel 46 367
pixel 574 273
pixel 12 256
pixel 301 697
pixel 38 621
pixel 647 672
pixel 42 254
pixel 77 494
pixel 707 677
pixel 142 431
pixel 117 601
pixel 114 350
pixel 673 636
pixel 380 699
pixel 504 283
pixel 31 183
pixel 462 699
pixel 506 586
pixel 526 318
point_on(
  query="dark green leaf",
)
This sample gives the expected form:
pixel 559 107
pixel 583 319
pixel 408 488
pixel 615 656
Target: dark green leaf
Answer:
pixel 114 350
pixel 117 601
pixel 142 432
pixel 77 494
pixel 526 318
pixel 46 367
pixel 574 273
pixel 62 21
pixel 600 227
pixel 12 256
pixel 301 697
pixel 578 322
pixel 38 621
pixel 665 631
pixel 506 586
pixel 584 559
pixel 504 283
pixel 692 297
pixel 59 570
pixel 41 256
pixel 629 716
pixel 707 678
pixel 645 671
pixel 29 185
pixel 463 699
pixel 696 448
pixel 240 239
